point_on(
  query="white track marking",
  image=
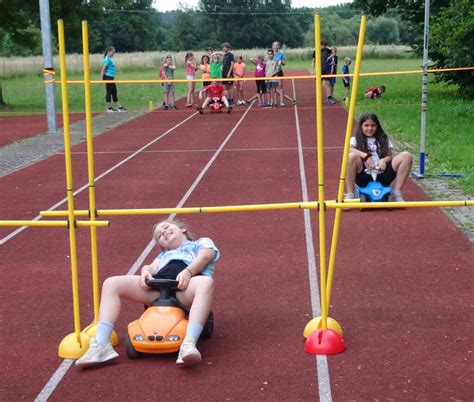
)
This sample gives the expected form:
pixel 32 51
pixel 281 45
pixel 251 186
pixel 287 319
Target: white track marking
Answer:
pixel 54 380
pixel 85 186
pixel 66 364
pixel 324 384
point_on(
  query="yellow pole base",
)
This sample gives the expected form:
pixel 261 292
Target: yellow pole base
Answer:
pixel 91 330
pixel 316 324
pixel 70 348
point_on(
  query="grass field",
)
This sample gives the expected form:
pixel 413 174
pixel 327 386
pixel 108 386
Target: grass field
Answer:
pixel 449 139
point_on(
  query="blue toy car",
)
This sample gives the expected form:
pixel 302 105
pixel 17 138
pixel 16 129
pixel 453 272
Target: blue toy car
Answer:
pixel 375 191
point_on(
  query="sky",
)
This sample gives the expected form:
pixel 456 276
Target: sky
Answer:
pixel 167 5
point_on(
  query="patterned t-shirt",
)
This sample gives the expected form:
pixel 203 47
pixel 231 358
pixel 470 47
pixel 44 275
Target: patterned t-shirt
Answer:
pixel 373 146
pixel 188 252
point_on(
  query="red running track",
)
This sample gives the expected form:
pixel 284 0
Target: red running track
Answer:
pixel 16 128
pixel 397 302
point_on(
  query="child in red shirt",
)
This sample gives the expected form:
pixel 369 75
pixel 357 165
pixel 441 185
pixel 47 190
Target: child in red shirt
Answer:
pixel 375 92
pixel 215 93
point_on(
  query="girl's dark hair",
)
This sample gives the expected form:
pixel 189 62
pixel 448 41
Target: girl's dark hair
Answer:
pixel 205 56
pixel 107 50
pixel 381 138
pixel 187 56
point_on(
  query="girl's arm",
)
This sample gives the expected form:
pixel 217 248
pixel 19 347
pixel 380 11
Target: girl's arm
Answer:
pixel 104 66
pixel 147 272
pixel 364 156
pixel 203 259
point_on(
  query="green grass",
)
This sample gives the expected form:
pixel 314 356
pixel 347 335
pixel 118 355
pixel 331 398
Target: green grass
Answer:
pixel 449 143
pixel 449 139
pixel 26 94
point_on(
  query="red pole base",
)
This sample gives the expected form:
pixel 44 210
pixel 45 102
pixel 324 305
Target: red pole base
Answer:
pixel 326 342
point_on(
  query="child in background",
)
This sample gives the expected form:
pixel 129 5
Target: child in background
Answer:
pixel 332 61
pixel 239 72
pixel 205 70
pixel 215 93
pixel 260 67
pixel 271 70
pixel 167 68
pixel 374 92
pixel 346 80
pixel 191 67
pixel 216 65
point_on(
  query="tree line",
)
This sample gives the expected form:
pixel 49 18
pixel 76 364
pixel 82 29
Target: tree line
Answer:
pixel 134 25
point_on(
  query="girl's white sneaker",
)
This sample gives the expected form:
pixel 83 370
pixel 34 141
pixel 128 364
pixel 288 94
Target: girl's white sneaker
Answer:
pixel 97 354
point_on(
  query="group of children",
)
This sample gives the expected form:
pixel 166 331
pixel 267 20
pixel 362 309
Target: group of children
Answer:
pixel 329 60
pixel 215 66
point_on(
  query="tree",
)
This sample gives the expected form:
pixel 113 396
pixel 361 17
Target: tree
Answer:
pixel 451 33
pixel 383 31
pixel 452 44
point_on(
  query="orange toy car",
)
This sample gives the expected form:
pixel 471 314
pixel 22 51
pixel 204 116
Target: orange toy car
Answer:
pixel 162 327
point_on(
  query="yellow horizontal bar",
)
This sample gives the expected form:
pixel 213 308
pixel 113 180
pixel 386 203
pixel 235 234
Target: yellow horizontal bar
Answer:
pixel 263 207
pixel 52 223
pixel 406 204
pixel 181 80
pixel 190 210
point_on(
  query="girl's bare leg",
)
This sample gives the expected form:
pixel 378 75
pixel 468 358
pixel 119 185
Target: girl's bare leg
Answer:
pixel 199 295
pixel 117 287
pixel 354 166
pixel 402 164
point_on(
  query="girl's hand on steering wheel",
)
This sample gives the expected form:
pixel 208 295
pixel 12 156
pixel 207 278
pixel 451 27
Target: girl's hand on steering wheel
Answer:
pixel 183 279
pixel 382 165
pixel 145 275
pixel 370 163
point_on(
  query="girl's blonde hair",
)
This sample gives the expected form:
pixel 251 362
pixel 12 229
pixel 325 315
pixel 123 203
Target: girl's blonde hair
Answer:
pixel 180 224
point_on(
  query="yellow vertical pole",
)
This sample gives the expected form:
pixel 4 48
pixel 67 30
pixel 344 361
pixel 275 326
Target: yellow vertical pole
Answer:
pixel 91 329
pixel 90 167
pixel 319 137
pixel 345 157
pixel 73 345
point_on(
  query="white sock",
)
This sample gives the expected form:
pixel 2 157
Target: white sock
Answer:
pixel 193 332
pixel 104 330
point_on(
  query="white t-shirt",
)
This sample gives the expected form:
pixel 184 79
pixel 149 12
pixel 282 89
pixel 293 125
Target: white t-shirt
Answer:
pixel 372 145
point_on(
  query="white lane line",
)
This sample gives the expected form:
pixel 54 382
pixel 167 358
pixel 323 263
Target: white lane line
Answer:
pixel 85 186
pixel 164 151
pixel 61 372
pixel 324 384
pixel 54 380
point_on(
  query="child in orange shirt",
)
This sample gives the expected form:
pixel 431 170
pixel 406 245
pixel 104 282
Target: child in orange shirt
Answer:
pixel 239 72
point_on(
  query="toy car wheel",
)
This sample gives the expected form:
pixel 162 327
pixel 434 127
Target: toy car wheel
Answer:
pixel 209 327
pixel 131 352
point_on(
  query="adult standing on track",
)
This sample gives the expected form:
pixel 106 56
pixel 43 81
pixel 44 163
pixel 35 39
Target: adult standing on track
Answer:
pixel 279 57
pixel 108 74
pixel 228 72
pixel 325 70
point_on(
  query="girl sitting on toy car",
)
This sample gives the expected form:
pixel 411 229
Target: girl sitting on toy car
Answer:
pixel 371 149
pixel 195 289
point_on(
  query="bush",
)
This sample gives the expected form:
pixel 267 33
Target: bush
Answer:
pixel 452 44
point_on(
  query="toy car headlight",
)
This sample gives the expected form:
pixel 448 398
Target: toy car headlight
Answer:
pixel 139 338
pixel 173 338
